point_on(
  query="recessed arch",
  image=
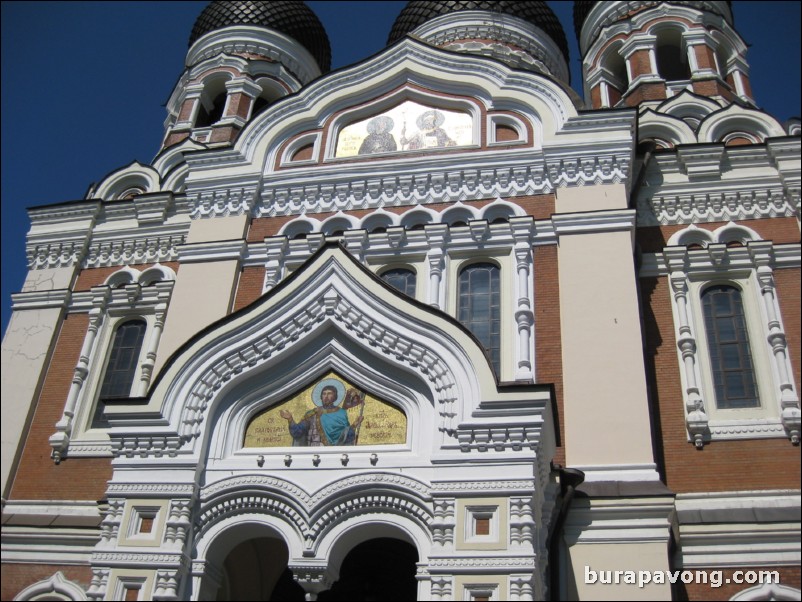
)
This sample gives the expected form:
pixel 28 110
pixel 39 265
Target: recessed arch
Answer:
pixel 671 53
pixel 127 182
pixel 338 224
pixel 56 587
pixel 300 227
pixel 716 126
pixel 213 100
pixel 458 213
pixel 664 127
pixel 692 235
pixel 418 218
pixel 379 219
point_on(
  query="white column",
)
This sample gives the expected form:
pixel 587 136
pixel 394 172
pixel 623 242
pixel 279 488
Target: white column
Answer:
pixel 61 438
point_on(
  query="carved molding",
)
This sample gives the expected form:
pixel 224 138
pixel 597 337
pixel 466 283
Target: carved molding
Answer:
pixel 711 206
pixel 321 194
pixel 460 564
pixel 327 305
pixel 132 251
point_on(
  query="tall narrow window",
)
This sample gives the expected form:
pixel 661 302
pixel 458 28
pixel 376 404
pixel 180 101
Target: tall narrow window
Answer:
pixel 122 364
pixel 479 307
pixel 672 57
pixel 730 355
pixel 401 280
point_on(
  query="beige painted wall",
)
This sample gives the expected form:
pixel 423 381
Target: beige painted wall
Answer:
pixel 48 280
pixel 204 290
pixel 203 294
pixel 25 350
pixel 26 347
pixel 606 410
pixel 591 198
pixel 218 228
pixel 618 557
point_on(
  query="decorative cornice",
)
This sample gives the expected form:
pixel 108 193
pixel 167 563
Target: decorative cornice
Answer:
pixel 63 252
pixel 715 206
pixel 715 259
pixel 500 437
pixel 461 565
pixel 212 251
pixel 221 198
pixel 40 299
pixel 172 490
pixel 164 559
pixel 158 248
pixel 463 488
pixel 372 480
pixel 246 482
pixel 321 190
pixel 594 221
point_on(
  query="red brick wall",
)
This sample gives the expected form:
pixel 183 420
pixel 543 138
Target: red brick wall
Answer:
pixel 595 96
pixel 38 477
pixel 789 576
pixel 304 153
pixel 548 340
pixel 16 577
pixel 704 56
pixel 250 285
pixel 712 87
pixel 646 91
pixel 772 463
pixel 505 133
pixel 639 63
pixel 788 296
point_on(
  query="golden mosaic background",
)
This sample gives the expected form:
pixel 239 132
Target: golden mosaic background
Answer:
pixel 383 424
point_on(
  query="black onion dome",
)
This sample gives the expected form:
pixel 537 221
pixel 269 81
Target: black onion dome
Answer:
pixel 417 13
pixel 582 9
pixel 294 19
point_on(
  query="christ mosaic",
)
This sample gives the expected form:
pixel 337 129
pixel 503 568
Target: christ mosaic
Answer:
pixel 332 412
pixel 407 126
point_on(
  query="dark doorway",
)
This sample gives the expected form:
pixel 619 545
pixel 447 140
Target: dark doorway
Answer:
pixel 378 569
pixel 256 569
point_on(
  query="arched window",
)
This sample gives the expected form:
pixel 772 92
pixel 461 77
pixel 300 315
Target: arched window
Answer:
pixel 730 354
pixel 401 279
pixel 672 57
pixel 122 365
pixel 479 306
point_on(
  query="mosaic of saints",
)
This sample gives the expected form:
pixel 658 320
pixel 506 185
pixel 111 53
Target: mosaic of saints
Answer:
pixel 327 423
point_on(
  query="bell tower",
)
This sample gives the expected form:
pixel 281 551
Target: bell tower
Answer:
pixel 242 57
pixel 636 52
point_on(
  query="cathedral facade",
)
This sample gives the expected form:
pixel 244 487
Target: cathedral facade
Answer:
pixel 428 327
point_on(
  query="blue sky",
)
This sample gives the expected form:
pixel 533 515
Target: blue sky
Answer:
pixel 84 86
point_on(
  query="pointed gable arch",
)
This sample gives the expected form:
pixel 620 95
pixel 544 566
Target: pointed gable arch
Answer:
pixel 332 314
pixel 407 63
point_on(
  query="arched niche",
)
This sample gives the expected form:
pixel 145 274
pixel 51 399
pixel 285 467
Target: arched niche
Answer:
pixel 288 384
pixel 418 124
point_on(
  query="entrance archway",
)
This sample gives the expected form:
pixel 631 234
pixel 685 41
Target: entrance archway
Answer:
pixel 377 569
pixel 256 569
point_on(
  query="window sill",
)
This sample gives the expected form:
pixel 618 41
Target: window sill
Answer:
pixel 751 428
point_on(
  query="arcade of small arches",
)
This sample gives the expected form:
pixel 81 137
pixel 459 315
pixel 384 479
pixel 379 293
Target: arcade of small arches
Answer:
pixel 254 550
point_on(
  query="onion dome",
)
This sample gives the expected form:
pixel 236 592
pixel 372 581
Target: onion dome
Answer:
pixel 417 13
pixel 294 19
